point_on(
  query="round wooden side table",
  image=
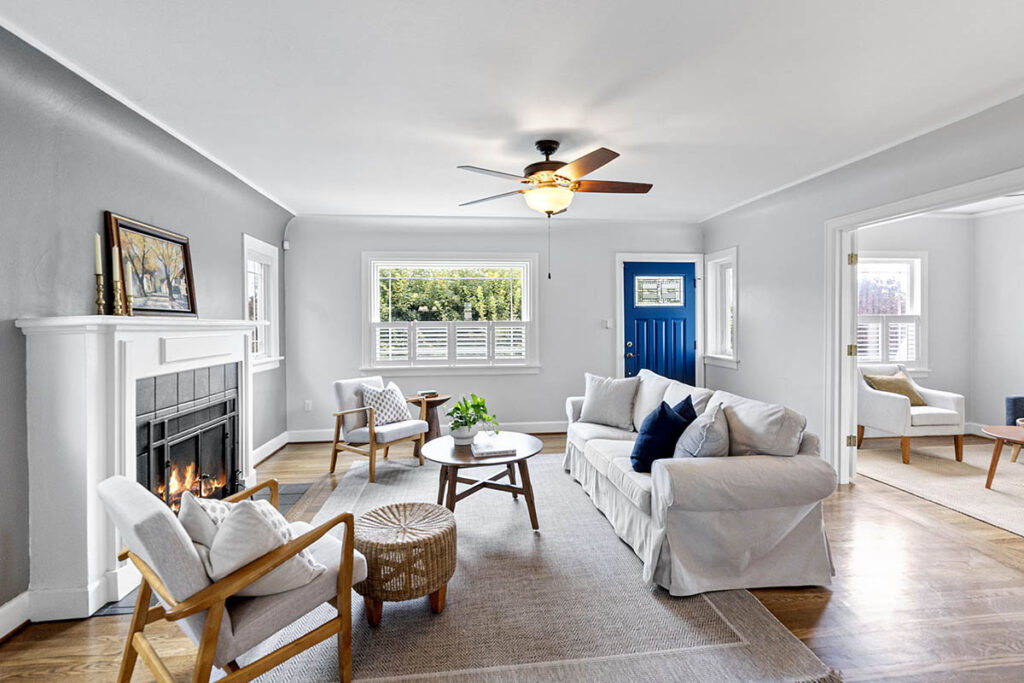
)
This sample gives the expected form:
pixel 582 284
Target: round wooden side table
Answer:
pixel 410 552
pixel 433 423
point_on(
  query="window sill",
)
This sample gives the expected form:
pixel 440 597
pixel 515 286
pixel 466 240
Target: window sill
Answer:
pixel 721 361
pixel 266 363
pixel 447 370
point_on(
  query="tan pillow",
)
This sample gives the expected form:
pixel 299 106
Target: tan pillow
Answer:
pixel 896 384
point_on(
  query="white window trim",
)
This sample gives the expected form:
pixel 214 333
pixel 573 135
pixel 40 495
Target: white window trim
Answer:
pixel 918 368
pixel 268 254
pixel 713 264
pixel 530 310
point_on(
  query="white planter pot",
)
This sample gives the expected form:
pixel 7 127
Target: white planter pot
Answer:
pixel 463 436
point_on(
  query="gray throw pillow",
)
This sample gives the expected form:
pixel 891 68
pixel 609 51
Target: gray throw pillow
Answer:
pixel 609 401
pixel 706 437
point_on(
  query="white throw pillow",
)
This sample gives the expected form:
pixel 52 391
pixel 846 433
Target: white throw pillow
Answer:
pixel 705 437
pixel 759 428
pixel 389 404
pixel 609 401
pixel 244 532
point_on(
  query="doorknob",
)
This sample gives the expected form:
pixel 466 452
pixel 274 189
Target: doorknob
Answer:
pixel 629 355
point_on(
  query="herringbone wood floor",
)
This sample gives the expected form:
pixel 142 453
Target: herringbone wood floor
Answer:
pixel 922 593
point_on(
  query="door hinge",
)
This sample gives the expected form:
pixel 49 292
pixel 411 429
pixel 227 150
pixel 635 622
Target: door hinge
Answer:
pixel 851 441
pixel 851 350
pixel 851 259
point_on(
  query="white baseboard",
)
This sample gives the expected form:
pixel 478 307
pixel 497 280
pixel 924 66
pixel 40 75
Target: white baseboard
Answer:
pixel 975 429
pixel 68 603
pixel 14 613
pixel 269 447
pixel 542 427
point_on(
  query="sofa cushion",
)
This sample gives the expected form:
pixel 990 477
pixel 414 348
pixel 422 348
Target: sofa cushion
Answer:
pixel 759 428
pixel 650 392
pixel 634 485
pixel 579 433
pixel 705 437
pixel 388 433
pixel 659 433
pixel 601 452
pixel 609 401
pixel 677 391
pixel 929 416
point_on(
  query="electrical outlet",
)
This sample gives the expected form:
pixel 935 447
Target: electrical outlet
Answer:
pixel 307 406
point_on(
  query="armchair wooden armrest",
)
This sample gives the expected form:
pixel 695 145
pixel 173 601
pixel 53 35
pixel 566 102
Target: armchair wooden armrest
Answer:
pixel 353 410
pixel 250 492
pixel 422 401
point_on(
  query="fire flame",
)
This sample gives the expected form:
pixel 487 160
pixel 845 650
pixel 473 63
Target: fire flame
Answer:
pixel 187 480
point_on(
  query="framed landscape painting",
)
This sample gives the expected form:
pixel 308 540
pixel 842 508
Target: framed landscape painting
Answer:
pixel 156 267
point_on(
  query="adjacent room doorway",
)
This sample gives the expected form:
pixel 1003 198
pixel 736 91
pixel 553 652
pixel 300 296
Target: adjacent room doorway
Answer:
pixel 660 300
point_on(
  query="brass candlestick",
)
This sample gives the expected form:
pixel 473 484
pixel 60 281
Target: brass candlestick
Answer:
pixel 100 302
pixel 118 304
pixel 131 301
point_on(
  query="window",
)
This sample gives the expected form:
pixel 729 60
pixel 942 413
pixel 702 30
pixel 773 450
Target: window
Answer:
pixel 891 308
pixel 261 293
pixel 462 311
pixel 721 271
pixel 652 290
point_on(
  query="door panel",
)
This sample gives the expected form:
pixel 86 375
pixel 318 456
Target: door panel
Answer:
pixel 660 315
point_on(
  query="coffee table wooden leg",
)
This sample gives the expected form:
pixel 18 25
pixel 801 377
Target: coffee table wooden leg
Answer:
pixel 374 610
pixel 512 478
pixel 453 475
pixel 437 599
pixel 440 486
pixel 524 474
pixel 1015 452
pixel 996 452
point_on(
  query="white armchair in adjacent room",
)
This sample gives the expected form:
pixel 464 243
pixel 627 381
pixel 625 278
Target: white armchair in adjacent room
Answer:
pixel 892 413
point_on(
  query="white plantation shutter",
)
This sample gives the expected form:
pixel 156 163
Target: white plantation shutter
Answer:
pixel 471 342
pixel 869 340
pixel 431 342
pixel 391 343
pixel 510 342
pixel 888 338
pixel 901 337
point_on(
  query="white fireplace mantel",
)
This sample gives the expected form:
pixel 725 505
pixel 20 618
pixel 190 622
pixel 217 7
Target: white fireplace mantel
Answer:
pixel 81 374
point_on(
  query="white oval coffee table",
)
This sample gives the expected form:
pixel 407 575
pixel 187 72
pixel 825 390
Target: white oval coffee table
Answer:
pixel 452 458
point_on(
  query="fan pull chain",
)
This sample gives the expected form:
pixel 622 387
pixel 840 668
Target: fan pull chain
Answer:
pixel 549 246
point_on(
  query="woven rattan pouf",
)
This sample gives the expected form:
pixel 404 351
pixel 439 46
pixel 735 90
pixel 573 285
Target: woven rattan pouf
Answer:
pixel 410 552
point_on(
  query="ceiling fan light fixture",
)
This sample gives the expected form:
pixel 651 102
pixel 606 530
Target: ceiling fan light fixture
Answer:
pixel 549 199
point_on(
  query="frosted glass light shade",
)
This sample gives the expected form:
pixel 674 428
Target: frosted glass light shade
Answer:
pixel 550 199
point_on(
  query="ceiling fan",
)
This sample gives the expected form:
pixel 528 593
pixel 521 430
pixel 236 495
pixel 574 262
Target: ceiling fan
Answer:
pixel 550 185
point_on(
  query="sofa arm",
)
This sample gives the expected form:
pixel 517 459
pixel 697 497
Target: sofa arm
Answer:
pixel 883 410
pixel 943 399
pixel 741 482
pixel 573 408
pixel 810 444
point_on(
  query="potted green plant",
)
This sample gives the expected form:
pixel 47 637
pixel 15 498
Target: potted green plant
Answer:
pixel 468 415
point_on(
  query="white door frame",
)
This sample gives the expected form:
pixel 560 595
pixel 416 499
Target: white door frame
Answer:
pixel 698 268
pixel 841 289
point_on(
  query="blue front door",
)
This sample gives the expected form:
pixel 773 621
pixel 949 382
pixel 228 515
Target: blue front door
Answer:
pixel 660 319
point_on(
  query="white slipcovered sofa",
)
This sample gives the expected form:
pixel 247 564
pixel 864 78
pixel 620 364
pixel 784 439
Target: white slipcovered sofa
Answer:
pixel 704 524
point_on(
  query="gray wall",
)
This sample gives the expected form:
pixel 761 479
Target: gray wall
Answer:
pixel 324 289
pixel 67 153
pixel 781 242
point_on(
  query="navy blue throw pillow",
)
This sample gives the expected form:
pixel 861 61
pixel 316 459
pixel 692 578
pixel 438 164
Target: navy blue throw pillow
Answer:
pixel 659 433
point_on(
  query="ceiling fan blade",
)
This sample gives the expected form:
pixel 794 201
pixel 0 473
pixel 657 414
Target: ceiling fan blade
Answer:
pixel 587 163
pixel 612 186
pixel 497 174
pixel 496 196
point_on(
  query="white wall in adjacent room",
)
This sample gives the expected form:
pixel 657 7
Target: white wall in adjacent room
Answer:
pixel 323 290
pixel 948 242
pixel 998 329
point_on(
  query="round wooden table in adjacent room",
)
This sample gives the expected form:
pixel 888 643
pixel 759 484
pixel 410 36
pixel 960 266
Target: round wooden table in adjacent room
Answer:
pixel 1002 434
pixel 452 458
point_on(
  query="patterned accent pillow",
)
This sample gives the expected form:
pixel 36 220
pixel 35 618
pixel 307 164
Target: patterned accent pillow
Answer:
pixel 242 532
pixel 389 404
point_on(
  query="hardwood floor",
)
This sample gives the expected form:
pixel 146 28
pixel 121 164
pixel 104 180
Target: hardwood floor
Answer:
pixel 922 592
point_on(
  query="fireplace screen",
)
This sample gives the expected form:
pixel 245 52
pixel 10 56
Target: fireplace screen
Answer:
pixel 187 433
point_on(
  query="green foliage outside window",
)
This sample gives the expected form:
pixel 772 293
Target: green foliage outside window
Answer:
pixel 445 293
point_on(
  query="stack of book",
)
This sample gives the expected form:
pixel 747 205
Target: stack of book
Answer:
pixel 487 446
pixel 427 393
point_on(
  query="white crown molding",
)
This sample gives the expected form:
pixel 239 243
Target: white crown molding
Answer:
pixel 80 71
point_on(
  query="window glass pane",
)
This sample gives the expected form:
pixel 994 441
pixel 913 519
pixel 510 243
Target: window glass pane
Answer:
pixel 441 292
pixel 730 309
pixel 886 287
pixel 658 291
pixel 256 306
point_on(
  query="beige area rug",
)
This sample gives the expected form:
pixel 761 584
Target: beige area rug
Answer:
pixel 935 475
pixel 566 603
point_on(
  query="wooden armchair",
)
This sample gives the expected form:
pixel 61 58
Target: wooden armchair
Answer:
pixel 355 431
pixel 222 624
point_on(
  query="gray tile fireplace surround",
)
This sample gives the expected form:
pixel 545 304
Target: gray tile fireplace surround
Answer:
pixel 164 395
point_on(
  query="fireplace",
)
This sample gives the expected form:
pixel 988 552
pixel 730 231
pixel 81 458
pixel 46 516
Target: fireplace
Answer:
pixel 187 433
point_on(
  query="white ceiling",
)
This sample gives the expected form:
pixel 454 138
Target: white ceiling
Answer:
pixel 340 107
